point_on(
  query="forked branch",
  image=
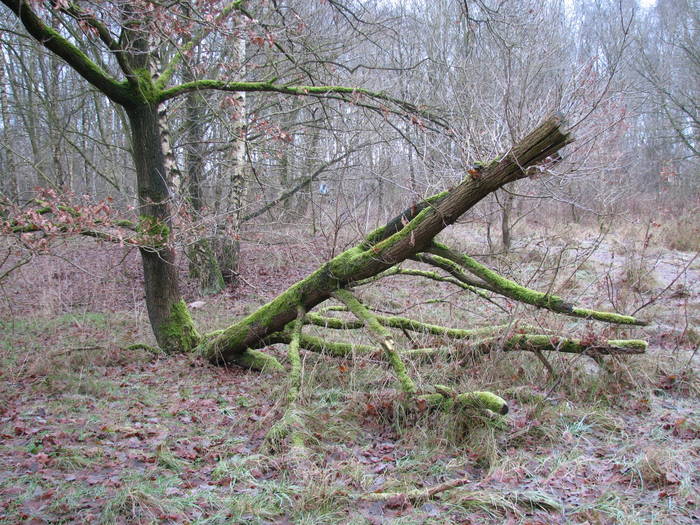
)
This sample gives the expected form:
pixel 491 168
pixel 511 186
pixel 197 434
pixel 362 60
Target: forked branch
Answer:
pixel 513 290
pixel 381 335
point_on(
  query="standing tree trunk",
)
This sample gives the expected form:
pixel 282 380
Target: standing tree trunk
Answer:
pixel 203 263
pixel 170 319
pixel 506 227
pixel 172 325
pixel 226 244
pixel 55 122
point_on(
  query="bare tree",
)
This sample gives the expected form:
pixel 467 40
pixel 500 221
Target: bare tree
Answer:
pixel 114 48
pixel 670 73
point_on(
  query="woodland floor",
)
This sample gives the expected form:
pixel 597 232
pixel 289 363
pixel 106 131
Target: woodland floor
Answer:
pixel 93 433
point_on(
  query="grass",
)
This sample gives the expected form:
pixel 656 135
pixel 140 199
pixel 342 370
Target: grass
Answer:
pixel 104 435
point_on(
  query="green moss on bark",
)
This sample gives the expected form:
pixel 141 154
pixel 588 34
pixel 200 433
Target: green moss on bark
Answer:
pixel 473 400
pixel 284 427
pixel 153 232
pixel 179 330
pixel 632 344
pixel 486 400
pixel 147 92
pixel 256 360
pixel 608 317
pixel 534 342
pixel 249 358
pixel 253 331
pixel 504 286
pixel 407 324
pixel 400 221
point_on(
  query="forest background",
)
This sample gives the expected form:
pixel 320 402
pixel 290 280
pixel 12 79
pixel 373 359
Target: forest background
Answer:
pixel 267 179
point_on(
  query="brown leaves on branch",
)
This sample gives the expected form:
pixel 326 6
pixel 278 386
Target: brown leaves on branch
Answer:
pixel 51 215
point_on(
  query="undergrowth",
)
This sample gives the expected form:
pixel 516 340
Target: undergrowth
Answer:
pixel 94 433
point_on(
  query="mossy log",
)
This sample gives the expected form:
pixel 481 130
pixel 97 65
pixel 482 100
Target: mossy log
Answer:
pixel 411 235
pixel 449 400
pixel 411 232
pixel 537 343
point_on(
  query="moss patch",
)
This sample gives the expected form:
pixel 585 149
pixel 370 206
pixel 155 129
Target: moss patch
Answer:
pixel 447 400
pixel 147 90
pixel 152 231
pixel 179 331
pixel 256 360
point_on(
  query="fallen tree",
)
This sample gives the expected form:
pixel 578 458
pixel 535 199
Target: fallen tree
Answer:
pixel 136 84
pixel 409 236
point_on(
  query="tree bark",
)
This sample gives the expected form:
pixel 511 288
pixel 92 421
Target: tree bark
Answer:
pixel 170 320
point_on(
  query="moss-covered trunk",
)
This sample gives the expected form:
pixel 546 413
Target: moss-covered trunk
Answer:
pixel 409 233
pixel 167 312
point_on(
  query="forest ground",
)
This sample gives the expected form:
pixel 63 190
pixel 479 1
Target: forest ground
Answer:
pixel 93 433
